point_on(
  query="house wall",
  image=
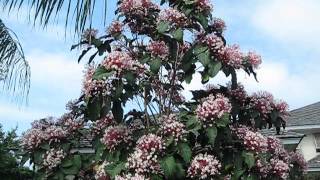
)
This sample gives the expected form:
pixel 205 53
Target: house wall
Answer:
pixel 307 147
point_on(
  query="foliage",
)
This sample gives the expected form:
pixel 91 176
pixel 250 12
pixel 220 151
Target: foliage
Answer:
pixel 9 158
pixel 14 69
pixel 133 113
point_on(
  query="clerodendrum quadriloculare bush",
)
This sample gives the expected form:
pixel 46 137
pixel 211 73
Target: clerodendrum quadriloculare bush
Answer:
pixel 149 52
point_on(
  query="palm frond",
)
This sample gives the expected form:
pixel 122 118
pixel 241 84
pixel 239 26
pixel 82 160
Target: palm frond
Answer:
pixel 14 69
pixel 46 10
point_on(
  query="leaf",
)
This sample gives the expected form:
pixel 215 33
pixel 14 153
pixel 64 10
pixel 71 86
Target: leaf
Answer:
pixel 67 163
pixel 237 174
pixel 214 68
pixel 93 109
pixel 102 72
pixel 84 52
pixel 178 34
pixel 204 58
pixel 77 161
pixel 185 151
pixel 72 170
pixel 168 165
pixel 203 20
pixel 163 27
pixel 116 169
pixel 211 133
pixel 155 65
pixel 45 146
pixel 223 121
pixel 248 159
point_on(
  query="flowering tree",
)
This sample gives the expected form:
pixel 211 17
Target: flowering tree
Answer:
pixel 139 124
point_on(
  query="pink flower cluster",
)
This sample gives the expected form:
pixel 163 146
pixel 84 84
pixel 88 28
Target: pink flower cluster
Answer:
pixel 298 159
pixel 150 143
pixel 70 123
pixel 144 159
pixel 254 141
pixel 253 59
pixel 214 43
pixel 239 93
pixel 212 108
pixel 232 56
pixel 136 7
pixel 131 177
pixel 53 158
pixel 203 6
pixel 102 123
pixel 32 138
pixel 262 101
pixel 283 108
pixel 204 166
pixel 170 126
pixel 279 168
pixel 158 49
pixel 116 27
pixel 262 167
pixel 116 135
pixel 173 16
pixel 89 34
pixel 219 25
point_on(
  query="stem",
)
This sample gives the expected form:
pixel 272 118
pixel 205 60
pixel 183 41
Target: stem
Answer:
pixel 234 85
pixel 146 117
pixel 172 83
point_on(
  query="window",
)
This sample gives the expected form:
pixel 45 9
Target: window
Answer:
pixel 317 141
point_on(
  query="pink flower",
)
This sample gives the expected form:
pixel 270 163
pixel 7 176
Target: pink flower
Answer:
pixel 204 166
pixel 131 177
pixel 279 168
pixel 116 135
pixel 158 49
pixel 232 56
pixel 262 167
pixel 150 143
pixel 170 126
pixel 262 101
pixel 212 108
pixel 102 123
pixel 203 5
pixel 53 158
pixel 136 7
pixel 298 159
pixel 70 123
pixel 214 43
pixel 32 139
pixel 142 162
pixel 173 16
pixel 100 171
pixel 116 27
pixel 283 108
pixel 254 59
pixel 254 141
pixel 219 25
pixel 239 93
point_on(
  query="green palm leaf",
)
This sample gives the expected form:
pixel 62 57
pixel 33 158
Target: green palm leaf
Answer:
pixel 14 69
pixel 46 10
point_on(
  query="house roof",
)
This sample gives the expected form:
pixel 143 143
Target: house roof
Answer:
pixel 314 163
pixel 283 134
pixel 307 115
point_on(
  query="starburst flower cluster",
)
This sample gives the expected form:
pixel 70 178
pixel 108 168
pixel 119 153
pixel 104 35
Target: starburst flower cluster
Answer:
pixel 253 59
pixel 262 101
pixel 212 108
pixel 53 158
pixel 131 177
pixel 218 25
pixel 102 123
pixel 144 159
pixel 100 172
pixel 115 136
pixel 136 7
pixel 173 16
pixel 32 138
pixel 89 34
pixel 119 61
pixel 170 126
pixel 274 145
pixel 158 49
pixel 283 108
pixel 116 27
pixel 203 6
pixel 204 166
pixel 232 56
pixel 298 159
pixel 150 143
pixel 279 168
pixel 262 167
pixel 214 42
pixel 70 123
pixel 255 141
pixel 239 93
pixel 136 124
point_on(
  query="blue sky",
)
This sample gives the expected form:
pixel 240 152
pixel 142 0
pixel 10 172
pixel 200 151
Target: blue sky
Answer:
pixel 284 32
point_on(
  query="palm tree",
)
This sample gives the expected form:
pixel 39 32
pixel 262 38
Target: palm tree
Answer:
pixel 14 69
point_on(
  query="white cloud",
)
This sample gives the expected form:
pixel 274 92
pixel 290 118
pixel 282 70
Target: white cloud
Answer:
pixel 292 21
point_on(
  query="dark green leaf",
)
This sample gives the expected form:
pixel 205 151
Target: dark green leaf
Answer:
pixel 77 161
pixel 178 34
pixel 223 121
pixel 214 68
pixel 155 65
pixel 116 169
pixel 72 170
pixel 211 133
pixel 185 151
pixel 248 159
pixel 163 26
pixel 117 111
pixel 168 165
